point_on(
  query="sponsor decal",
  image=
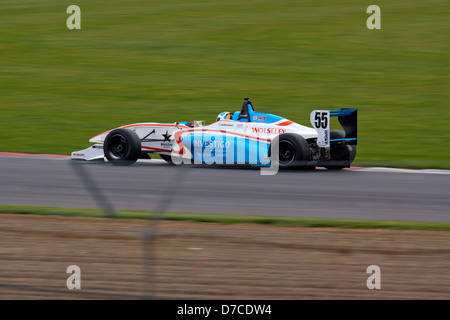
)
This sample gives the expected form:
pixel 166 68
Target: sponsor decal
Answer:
pixel 268 130
pixel 320 121
pixel 259 118
pixel 211 144
pixel 226 124
pixel 260 165
pixel 167 136
pixel 167 144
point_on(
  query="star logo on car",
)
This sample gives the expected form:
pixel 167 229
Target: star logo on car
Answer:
pixel 167 136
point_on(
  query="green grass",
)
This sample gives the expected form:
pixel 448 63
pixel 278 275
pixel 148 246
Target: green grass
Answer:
pixel 174 60
pixel 230 219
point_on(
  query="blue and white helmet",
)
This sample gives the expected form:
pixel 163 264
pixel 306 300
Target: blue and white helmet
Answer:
pixel 224 116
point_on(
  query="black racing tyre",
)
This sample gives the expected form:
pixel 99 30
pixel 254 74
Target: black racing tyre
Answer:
pixel 340 152
pixel 122 147
pixel 293 151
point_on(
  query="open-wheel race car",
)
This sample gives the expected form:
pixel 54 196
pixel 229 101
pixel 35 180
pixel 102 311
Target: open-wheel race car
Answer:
pixel 244 137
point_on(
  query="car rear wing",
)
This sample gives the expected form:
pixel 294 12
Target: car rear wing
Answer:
pixel 348 118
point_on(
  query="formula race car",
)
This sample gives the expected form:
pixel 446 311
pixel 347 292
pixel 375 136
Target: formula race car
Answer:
pixel 245 137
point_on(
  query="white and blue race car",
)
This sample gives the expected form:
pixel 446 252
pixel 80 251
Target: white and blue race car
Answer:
pixel 245 137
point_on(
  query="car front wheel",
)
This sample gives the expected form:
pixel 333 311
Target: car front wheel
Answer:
pixel 122 147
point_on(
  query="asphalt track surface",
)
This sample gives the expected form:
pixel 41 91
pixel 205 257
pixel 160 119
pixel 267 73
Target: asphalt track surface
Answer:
pixel 357 193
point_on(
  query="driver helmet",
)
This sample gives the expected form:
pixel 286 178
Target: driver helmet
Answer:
pixel 224 116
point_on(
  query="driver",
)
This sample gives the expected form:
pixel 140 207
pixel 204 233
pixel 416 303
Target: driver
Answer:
pixel 193 124
pixel 224 116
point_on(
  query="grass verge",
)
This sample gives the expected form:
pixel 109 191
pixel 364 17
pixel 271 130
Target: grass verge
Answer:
pixel 230 219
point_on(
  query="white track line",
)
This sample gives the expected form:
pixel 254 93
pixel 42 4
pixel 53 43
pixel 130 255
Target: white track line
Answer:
pixel 400 170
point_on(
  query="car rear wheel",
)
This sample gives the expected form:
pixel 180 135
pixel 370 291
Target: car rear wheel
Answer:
pixel 293 151
pixel 122 147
